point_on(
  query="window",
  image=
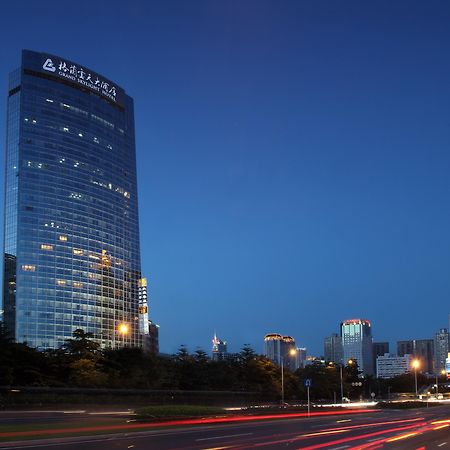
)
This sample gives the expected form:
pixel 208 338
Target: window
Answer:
pixel 77 284
pixel 29 268
pixel 63 238
pixel 77 251
pixel 46 247
pixel 61 282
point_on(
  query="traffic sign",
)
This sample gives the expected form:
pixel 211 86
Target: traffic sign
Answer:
pixel 308 382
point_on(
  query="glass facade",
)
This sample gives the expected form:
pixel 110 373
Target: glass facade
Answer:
pixel 357 341
pixel 71 242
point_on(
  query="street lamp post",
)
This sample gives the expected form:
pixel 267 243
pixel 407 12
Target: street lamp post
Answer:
pixel 442 372
pixel 123 330
pixel 416 365
pixel 292 352
pixel 349 362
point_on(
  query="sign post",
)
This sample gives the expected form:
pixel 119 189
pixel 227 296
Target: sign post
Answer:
pixel 308 383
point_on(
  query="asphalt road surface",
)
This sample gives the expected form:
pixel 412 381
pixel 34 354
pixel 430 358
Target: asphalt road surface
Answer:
pixel 419 429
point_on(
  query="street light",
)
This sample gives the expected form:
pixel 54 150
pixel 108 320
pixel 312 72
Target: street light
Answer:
pixel 292 352
pixel 437 381
pixel 349 362
pixel 123 330
pixel 416 365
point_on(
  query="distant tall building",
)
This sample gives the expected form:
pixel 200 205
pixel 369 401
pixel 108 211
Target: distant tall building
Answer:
pixel 219 349
pixel 389 366
pixel 151 340
pixel 272 347
pixel 288 346
pixel 357 343
pixel 379 349
pixel 333 351
pixel 300 358
pixel 422 349
pixel 278 347
pixel 441 349
pixel 71 234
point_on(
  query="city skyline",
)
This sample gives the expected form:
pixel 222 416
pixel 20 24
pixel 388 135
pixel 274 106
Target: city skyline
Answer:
pixel 290 175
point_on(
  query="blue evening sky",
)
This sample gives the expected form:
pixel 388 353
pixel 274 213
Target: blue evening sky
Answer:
pixel 293 157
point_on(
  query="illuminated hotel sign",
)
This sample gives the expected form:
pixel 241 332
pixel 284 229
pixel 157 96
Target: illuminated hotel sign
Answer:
pixel 143 306
pixel 77 74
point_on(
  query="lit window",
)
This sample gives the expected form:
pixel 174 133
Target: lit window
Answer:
pixel 46 247
pixel 49 100
pixel 29 268
pixel 77 251
pixel 63 237
pixel 65 105
pixel 77 284
pixel 61 282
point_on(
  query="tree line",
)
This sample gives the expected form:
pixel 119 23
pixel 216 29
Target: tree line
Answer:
pixel 81 363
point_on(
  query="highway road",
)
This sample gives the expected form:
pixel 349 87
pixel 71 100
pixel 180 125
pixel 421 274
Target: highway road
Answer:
pixel 418 429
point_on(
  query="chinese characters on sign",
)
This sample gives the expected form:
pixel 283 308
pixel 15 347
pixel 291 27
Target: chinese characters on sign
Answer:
pixel 82 76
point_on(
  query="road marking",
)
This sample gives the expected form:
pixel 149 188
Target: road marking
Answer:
pixel 220 437
pixel 342 421
pixel 440 445
pixel 339 448
pixel 216 448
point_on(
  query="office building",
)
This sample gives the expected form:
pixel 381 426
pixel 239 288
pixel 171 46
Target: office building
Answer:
pixel 441 349
pixel 219 349
pixel 333 351
pixel 379 349
pixel 422 349
pixel 300 358
pixel 357 343
pixel 389 366
pixel 71 235
pixel 280 349
pixel 151 340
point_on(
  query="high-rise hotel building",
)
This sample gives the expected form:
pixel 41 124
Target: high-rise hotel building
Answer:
pixel 357 341
pixel 71 242
pixel 278 349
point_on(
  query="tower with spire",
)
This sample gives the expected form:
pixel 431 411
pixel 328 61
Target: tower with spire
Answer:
pixel 219 349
